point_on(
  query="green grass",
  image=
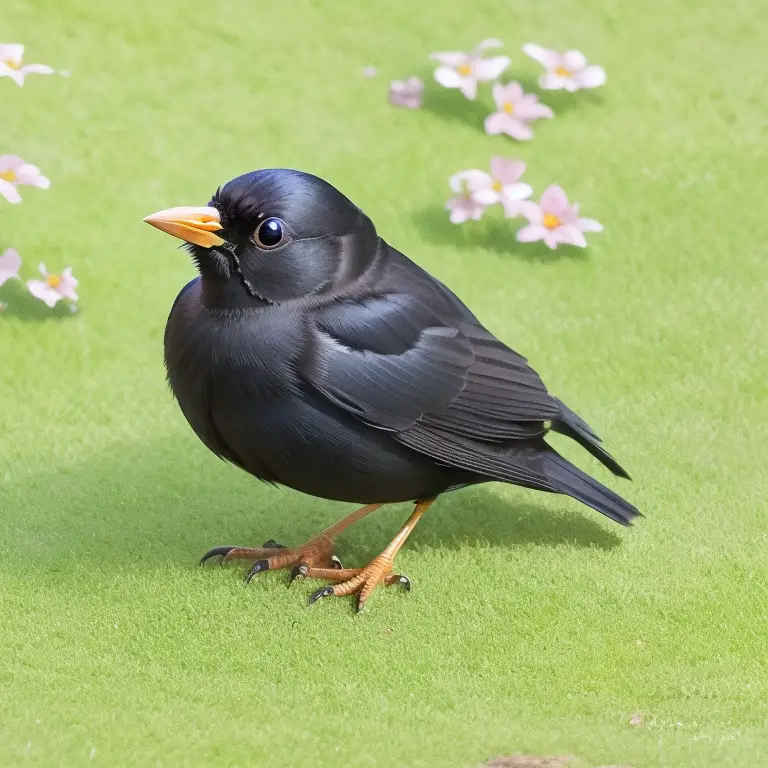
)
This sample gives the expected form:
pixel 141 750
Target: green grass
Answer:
pixel 534 625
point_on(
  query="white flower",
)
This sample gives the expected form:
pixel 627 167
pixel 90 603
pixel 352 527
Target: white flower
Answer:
pixel 465 206
pixel 10 262
pixel 465 70
pixel 568 70
pixel 53 288
pixel 11 55
pixel 554 220
pixel 516 111
pixel 503 185
pixel 13 172
pixel 406 93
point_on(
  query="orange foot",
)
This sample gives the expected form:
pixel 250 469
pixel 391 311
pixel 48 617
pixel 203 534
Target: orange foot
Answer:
pixel 362 581
pixel 317 552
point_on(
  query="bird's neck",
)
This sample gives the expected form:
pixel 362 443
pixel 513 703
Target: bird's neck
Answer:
pixel 220 293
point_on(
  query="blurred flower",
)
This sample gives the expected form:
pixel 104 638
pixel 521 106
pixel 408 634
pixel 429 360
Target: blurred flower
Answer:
pixel 465 205
pixel 516 111
pixel 53 288
pixel 465 70
pixel 11 55
pixel 369 72
pixel 503 185
pixel 406 93
pixel 554 220
pixel 10 262
pixel 13 172
pixel 567 70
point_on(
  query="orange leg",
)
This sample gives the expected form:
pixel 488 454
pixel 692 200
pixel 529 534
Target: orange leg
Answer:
pixel 317 552
pixel 362 581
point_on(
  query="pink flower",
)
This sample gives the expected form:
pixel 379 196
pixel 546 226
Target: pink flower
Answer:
pixel 555 220
pixel 465 205
pixel 10 262
pixel 13 172
pixel 53 288
pixel 11 55
pixel 567 70
pixel 406 93
pixel 516 111
pixel 503 185
pixel 465 70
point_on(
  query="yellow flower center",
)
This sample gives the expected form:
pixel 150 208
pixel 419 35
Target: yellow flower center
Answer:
pixel 8 175
pixel 551 221
pixel 563 72
pixel 53 280
pixel 12 64
pixel 465 70
pixel 509 108
pixel 497 185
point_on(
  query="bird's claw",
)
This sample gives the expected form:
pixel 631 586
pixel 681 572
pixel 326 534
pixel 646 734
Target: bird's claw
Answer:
pixel 216 552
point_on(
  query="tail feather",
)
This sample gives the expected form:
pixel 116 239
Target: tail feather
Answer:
pixel 573 426
pixel 569 479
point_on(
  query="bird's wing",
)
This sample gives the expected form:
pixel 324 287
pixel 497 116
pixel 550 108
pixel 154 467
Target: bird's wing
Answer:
pixel 390 361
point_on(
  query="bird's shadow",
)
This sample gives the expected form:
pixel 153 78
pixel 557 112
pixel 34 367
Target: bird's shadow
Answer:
pixel 22 304
pixel 166 503
pixel 492 233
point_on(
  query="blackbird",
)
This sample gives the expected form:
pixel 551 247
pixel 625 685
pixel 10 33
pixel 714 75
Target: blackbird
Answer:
pixel 314 355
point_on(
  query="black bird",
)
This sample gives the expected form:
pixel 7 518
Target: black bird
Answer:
pixel 312 354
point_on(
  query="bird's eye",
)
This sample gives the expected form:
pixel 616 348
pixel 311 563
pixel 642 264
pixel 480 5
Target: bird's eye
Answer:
pixel 270 233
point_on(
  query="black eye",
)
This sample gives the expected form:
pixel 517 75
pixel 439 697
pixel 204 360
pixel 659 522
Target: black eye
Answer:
pixel 270 233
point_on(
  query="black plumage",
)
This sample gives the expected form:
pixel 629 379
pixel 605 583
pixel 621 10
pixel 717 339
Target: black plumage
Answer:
pixel 329 362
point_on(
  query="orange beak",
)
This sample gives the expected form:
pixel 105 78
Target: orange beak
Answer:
pixel 195 225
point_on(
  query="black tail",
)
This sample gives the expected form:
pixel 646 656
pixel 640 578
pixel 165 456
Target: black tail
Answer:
pixel 573 426
pixel 568 479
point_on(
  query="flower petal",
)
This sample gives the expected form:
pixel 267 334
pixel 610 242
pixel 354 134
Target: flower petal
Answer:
pixel 532 110
pixel 9 191
pixel 549 81
pixel 505 170
pixel 592 77
pixel 473 179
pixel 10 162
pixel 495 123
pixel 490 42
pixel 574 61
pixel 516 192
pixel 555 201
pixel 31 176
pixel 468 86
pixel 570 235
pixel 10 261
pixel 589 225
pixel 490 69
pixel 517 129
pixel 448 77
pixel 487 196
pixel 463 208
pixel 15 74
pixel 37 69
pixel 43 291
pixel 545 56
pixel 531 233
pixel 532 211
pixel 451 58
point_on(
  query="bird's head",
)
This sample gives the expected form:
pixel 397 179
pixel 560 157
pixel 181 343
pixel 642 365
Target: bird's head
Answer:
pixel 274 235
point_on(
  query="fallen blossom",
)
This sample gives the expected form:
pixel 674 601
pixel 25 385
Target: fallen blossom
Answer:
pixel 465 70
pixel 554 220
pixel 406 93
pixel 10 261
pixel 503 185
pixel 369 72
pixel 465 205
pixel 54 288
pixel 11 55
pixel 14 172
pixel 568 70
pixel 516 110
